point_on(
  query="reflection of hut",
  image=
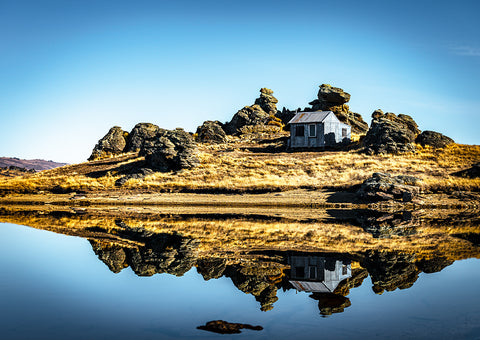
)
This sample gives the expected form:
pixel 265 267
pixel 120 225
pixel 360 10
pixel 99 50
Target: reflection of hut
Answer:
pixel 317 274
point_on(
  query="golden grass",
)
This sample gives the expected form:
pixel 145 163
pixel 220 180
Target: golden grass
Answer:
pixel 238 167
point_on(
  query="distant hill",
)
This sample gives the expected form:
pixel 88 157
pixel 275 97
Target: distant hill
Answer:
pixel 35 164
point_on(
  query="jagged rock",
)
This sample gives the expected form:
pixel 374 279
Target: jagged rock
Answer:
pixel 473 172
pixel 113 143
pixel 170 150
pixel 334 99
pixel 390 270
pixel 382 186
pixel 267 101
pixel 286 115
pixel 211 132
pixel 261 113
pixel 111 254
pixel 224 327
pixel 390 133
pixel 433 139
pixel 139 134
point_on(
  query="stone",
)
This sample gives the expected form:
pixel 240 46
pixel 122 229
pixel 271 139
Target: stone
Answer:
pixel 334 99
pixel 267 101
pixel 433 139
pixel 170 150
pixel 211 132
pixel 139 134
pixel 390 134
pixel 224 327
pixel 249 115
pixel 112 144
pixel 383 186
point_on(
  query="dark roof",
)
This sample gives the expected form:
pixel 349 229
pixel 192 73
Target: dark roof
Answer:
pixel 310 117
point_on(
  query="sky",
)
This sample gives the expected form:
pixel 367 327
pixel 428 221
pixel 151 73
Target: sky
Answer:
pixel 70 70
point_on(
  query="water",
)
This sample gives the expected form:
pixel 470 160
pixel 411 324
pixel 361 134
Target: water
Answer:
pixel 54 286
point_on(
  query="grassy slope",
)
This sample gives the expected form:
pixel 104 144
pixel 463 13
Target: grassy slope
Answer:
pixel 249 165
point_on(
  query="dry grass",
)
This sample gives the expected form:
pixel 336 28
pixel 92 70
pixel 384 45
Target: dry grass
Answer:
pixel 239 166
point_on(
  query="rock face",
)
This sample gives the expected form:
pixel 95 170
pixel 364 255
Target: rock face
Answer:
pixel 140 133
pixel 113 143
pixel 267 101
pixel 382 187
pixel 170 150
pixel 433 139
pixel 261 113
pixel 211 132
pixel 390 133
pixel 334 99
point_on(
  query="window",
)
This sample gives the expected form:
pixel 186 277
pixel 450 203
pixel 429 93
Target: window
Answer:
pixel 344 270
pixel 299 131
pixel 344 133
pixel 312 130
pixel 312 272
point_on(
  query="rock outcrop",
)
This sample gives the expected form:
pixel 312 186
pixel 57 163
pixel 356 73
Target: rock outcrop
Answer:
pixel 334 99
pixel 211 132
pixel 433 139
pixel 139 134
pixel 390 134
pixel 261 113
pixel 112 144
pixel 170 150
pixel 267 101
pixel 382 187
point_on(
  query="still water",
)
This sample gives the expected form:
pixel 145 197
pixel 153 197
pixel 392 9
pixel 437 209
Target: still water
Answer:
pixel 54 286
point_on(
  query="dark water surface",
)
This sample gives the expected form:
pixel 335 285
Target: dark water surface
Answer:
pixel 54 286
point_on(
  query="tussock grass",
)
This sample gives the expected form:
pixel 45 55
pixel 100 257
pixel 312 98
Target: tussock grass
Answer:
pixel 238 166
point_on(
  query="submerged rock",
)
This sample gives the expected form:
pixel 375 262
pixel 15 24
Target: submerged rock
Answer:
pixel 390 133
pixel 433 139
pixel 211 132
pixel 382 187
pixel 112 144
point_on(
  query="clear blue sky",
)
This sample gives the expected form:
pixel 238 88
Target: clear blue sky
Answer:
pixel 70 70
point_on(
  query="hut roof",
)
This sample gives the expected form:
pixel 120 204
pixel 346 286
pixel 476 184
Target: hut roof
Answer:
pixel 310 117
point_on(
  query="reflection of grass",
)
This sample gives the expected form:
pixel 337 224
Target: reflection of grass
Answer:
pixel 242 170
pixel 237 236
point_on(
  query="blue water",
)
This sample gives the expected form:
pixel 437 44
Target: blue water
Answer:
pixel 54 287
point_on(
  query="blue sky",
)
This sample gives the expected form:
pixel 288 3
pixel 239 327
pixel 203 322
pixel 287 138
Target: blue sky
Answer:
pixel 72 69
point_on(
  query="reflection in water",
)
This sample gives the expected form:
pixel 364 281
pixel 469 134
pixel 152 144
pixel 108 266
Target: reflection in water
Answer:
pixel 266 256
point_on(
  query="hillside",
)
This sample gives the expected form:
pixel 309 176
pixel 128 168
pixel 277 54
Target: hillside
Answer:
pixel 29 164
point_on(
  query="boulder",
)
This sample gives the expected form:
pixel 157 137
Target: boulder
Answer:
pixel 473 172
pixel 211 132
pixel 113 143
pixel 334 99
pixel 249 115
pixel 140 133
pixel 390 133
pixel 267 101
pixel 383 187
pixel 170 150
pixel 433 139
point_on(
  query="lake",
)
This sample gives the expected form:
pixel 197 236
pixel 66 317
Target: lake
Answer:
pixel 162 278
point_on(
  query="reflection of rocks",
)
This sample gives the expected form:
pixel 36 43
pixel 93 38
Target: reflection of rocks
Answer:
pixel 334 99
pixel 433 139
pixel 161 253
pixel 356 280
pixel 111 144
pixel 224 327
pixel 385 225
pixel 383 186
pixel 433 265
pixel 212 268
pixel 329 303
pixel 390 133
pixel 258 280
pixel 471 237
pixel 211 132
pixel 390 270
